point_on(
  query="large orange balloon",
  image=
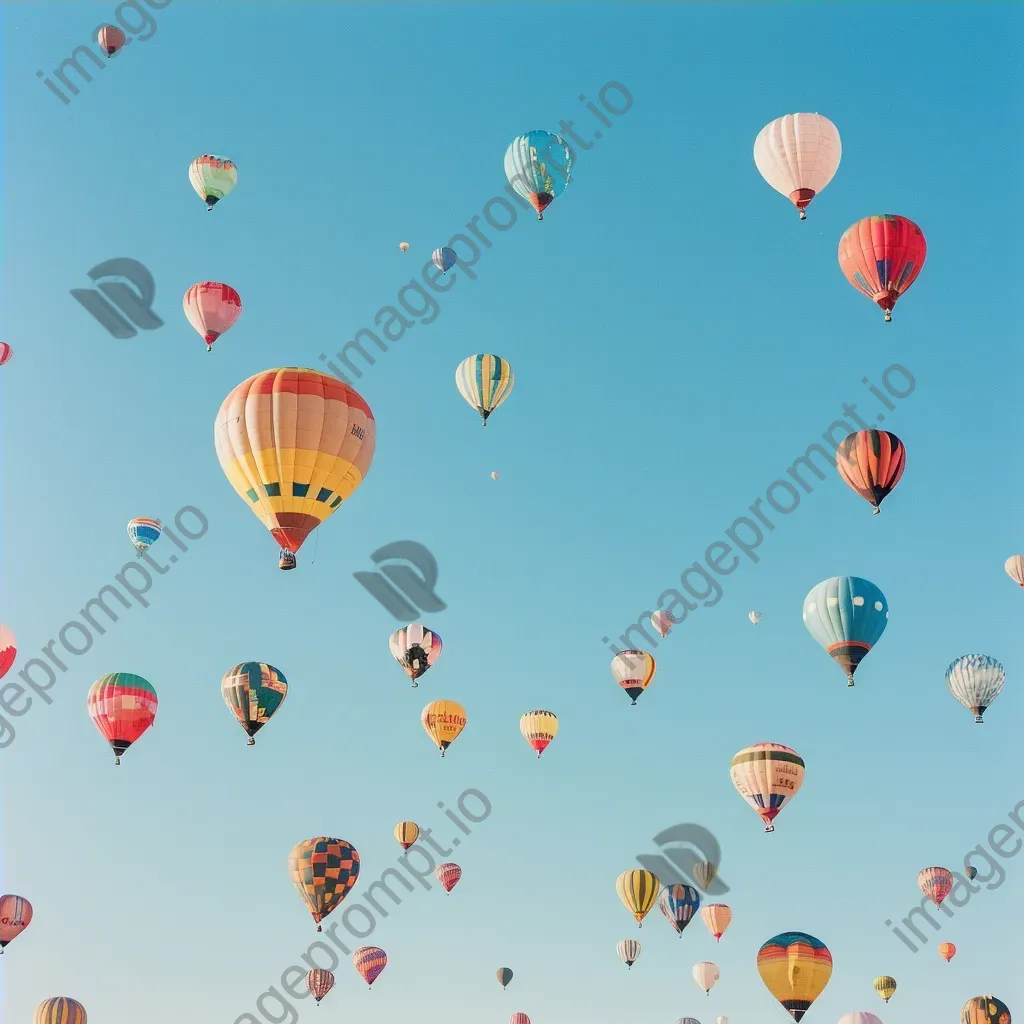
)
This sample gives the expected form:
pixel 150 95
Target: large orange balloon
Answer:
pixel 871 462
pixel 294 444
pixel 881 257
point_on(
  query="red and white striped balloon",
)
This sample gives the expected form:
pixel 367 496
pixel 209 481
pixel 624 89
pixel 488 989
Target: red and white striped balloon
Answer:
pixel 448 874
pixel 319 983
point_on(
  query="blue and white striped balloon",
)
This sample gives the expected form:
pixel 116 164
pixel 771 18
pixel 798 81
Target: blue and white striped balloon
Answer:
pixel 975 680
pixel 444 259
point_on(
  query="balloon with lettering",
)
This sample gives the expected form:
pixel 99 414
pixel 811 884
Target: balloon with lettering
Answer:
pixel 484 381
pixel 798 155
pixel 407 832
pixel 15 917
pixel 122 706
pixel 882 256
pixel 860 1017
pixel 638 891
pixel 369 961
pixel 504 976
pixel 538 166
pixel 985 1010
pixel 1015 569
pixel 717 917
pixel 971 872
pixel 448 874
pixel 443 721
pixel 706 974
pixel 871 463
pixel 629 951
pixel 795 967
pixel 294 444
pixel 704 873
pixel 415 648
pixel 319 982
pixel 755 617
pixel 975 680
pixel 111 39
pixel 5 352
pixel 947 951
pixel 679 903
pixel 60 1010
pixel 212 308
pixel 935 883
pixel 253 692
pixel 323 871
pixel 885 987
pixel 846 615
pixel 213 177
pixel 633 671
pixel 662 622
pixel 767 776
pixel 539 728
pixel 143 532
pixel 8 649
pixel 444 259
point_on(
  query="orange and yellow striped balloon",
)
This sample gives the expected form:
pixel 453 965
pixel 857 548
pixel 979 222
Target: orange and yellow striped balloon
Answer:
pixel 294 444
pixel 60 1010
pixel 638 890
pixel 443 720
pixel 539 728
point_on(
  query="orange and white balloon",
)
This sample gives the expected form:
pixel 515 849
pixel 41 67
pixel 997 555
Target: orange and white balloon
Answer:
pixel 539 728
pixel 717 917
pixel 1015 569
pixel 798 155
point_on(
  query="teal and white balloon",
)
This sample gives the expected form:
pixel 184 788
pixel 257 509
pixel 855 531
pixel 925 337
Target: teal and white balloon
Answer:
pixel 485 381
pixel 847 616
pixel 975 680
pixel 444 259
pixel 538 166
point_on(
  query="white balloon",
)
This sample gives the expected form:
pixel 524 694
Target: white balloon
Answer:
pixel 705 974
pixel 755 617
pixel 662 623
pixel 494 475
pixel 798 155
pixel 975 680
pixel 1015 569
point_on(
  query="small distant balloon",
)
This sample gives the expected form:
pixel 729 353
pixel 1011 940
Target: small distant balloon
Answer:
pixel 755 617
pixel 947 951
pixel 975 680
pixel 717 917
pixel 213 177
pixel 448 875
pixel 404 246
pixel 253 691
pixel 935 883
pixel 494 475
pixel 628 950
pixel 443 721
pixel 5 352
pixel 721 1020
pixel 111 39
pixel 504 976
pixel 885 986
pixel 444 259
pixel 8 649
pixel 706 974
pixel 519 1018
pixel 319 982
pixel 538 166
pixel 369 961
pixel 415 648
pixel 662 622
pixel 539 728
pixel 407 832
pixel 60 1010
pixel 704 873
pixel 143 532
pixel 1014 564
pixel 633 671
pixel 972 872
pixel 122 706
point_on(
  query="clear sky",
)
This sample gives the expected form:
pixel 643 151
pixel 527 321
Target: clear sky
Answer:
pixel 678 339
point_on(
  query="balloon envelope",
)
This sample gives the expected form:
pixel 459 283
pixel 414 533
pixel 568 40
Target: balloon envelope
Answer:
pixel 755 617
pixel 947 951
pixel 60 1010
pixel 871 463
pixel 704 873
pixel 717 917
pixel 484 381
pixel 5 352
pixel 143 532
pixel 846 615
pixel 15 917
pixel 213 177
pixel 1015 569
pixel 975 680
pixel 212 308
pixel 448 875
pixel 935 883
pixel 767 776
pixel 319 982
pixel 538 166
pixel 798 155
pixel 369 961
pixel 443 721
pixel 633 671
pixel 253 691
pixel 415 648
pixel 662 623
pixel 8 649
pixel 706 974
pixel 882 256
pixel 444 259
pixel 985 1010
pixel 638 891
pixel 795 967
pixel 111 39
pixel 679 903
pixel 122 707
pixel 860 1017
pixel 539 728
pixel 504 976
pixel 323 870
pixel 628 950
pixel 407 832
pixel 885 987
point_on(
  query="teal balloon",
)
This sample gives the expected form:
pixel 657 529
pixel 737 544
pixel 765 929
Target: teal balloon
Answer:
pixel 538 166
pixel 846 615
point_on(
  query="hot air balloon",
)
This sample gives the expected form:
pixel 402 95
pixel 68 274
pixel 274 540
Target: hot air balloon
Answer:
pixel 539 728
pixel 5 352
pixel 444 259
pixel 687 1020
pixel 448 874
pixel 704 873
pixel 443 720
pixel 8 649
pixel 638 890
pixel 705 974
pixel 494 476
pixel 662 623
pixel 947 951
pixel 717 917
pixel 415 648
pixel 404 246
pixel 755 617
pixel 213 177
pixel 881 257
pixel 407 832
pixel 323 871
pixel 860 1017
pixel 122 707
pixel 798 155
pixel 767 775
pixel 1015 569
pixel 294 444
pixel 985 1010
pixel 111 39
pixel 679 903
pixel 795 967
pixel 15 917
pixel 722 1020
pixel 504 976
pixel 975 680
pixel 935 883
pixel 633 671
pixel 971 872
pixel 538 166
pixel 485 381
pixel 212 308
pixel 253 691
pixel 885 987
pixel 143 532
pixel 519 1018
pixel 871 462
pixel 60 1010
pixel 369 961
pixel 628 950
pixel 847 616
pixel 319 982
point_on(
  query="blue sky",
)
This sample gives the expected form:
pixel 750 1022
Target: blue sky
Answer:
pixel 678 339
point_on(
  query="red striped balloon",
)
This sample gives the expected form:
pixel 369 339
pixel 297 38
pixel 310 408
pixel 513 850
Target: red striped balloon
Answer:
pixel 881 257
pixel 871 462
pixel 15 917
pixel 5 352
pixel 122 707
pixel 319 983
pixel 448 874
pixel 369 962
pixel 935 883
pixel 519 1018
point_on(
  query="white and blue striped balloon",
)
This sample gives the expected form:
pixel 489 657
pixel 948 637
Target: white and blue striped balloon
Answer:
pixel 975 680
pixel 444 259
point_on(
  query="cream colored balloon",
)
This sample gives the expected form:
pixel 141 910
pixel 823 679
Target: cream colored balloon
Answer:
pixel 1015 569
pixel 404 246
pixel 494 475
pixel 706 974
pixel 755 617
pixel 798 155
